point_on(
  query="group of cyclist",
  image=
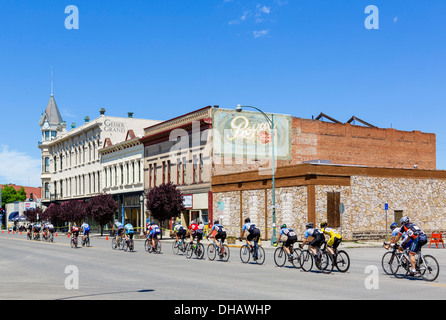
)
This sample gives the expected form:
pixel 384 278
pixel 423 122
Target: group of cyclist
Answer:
pixel 413 238
pixel 47 229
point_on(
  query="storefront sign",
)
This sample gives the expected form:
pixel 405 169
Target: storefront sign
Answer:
pixel 188 201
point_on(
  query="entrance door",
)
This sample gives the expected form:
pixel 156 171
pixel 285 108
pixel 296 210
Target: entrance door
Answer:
pixel 333 214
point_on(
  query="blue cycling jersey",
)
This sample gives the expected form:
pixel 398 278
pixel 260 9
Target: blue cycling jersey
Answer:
pixel 129 228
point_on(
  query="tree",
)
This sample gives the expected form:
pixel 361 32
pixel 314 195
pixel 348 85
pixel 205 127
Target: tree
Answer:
pixel 102 209
pixel 9 195
pixel 54 214
pixel 31 214
pixel 74 211
pixel 165 202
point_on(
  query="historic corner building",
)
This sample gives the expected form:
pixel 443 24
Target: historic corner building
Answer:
pixel 84 161
pixel 221 160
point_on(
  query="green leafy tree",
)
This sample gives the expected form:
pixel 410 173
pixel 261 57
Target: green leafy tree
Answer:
pixel 10 195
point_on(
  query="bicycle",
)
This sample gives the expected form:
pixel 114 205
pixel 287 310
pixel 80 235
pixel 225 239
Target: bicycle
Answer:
pixel 29 236
pixel 178 246
pixel 197 249
pixel 148 245
pixel 341 259
pixel 322 260
pixel 73 242
pixel 389 258
pixel 119 244
pixel 425 265
pixel 222 251
pixel 258 253
pixel 86 241
pixel 128 245
pixel 37 236
pixel 280 256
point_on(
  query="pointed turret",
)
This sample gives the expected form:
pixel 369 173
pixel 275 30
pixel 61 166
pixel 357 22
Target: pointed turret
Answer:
pixel 52 114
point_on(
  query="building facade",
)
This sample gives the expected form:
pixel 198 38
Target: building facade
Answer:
pixel 71 162
pixel 123 177
pixel 313 193
pixel 193 150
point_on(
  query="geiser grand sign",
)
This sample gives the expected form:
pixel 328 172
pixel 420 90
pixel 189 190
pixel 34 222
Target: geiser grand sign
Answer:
pixel 249 134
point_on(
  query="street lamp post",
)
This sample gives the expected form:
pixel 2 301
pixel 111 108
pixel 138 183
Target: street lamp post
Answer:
pixel 239 108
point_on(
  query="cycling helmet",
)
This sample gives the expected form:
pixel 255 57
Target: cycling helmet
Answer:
pixel 247 220
pixel 323 224
pixel 404 220
pixel 309 225
pixel 283 226
pixel 393 225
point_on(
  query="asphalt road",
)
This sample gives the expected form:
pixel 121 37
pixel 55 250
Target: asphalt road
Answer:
pixel 38 270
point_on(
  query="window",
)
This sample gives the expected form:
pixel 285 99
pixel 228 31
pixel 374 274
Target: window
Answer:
pixel 55 163
pixel 195 170
pixel 201 168
pixel 164 172
pixel 168 170
pixel 398 214
pixel 47 190
pixel 184 171
pixel 179 165
pixel 46 165
pixel 333 214
pixel 150 175
pixel 122 174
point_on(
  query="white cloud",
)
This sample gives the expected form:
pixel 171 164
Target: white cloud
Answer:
pixel 395 19
pixel 19 168
pixel 264 9
pixel 241 19
pixel 260 33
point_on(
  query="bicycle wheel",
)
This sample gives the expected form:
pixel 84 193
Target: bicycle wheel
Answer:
pixel 280 257
pixel 175 247
pixel 147 245
pixel 386 262
pixel 327 262
pixel 189 250
pixel 224 253
pixel 87 241
pixel 342 261
pixel 429 268
pixel 113 244
pixel 200 251
pixel 306 260
pixel 157 246
pixel 245 253
pixel 260 255
pixel 72 243
pixel 125 246
pixel 296 258
pixel 212 252
pixel 400 269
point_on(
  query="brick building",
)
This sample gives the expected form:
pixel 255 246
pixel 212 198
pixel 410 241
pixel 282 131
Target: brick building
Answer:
pixel 233 145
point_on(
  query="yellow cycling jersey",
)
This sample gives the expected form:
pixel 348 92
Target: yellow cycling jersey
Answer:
pixel 333 233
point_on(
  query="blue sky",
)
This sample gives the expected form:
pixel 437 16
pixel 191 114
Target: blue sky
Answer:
pixel 163 58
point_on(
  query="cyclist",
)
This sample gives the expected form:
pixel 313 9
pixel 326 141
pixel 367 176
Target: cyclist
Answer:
pixel 180 232
pixel 196 231
pixel 85 227
pixel 36 229
pixel 129 232
pixel 291 239
pixel 74 231
pixel 30 230
pixel 254 232
pixel 153 232
pixel 395 230
pixel 220 235
pixel 318 239
pixel 335 237
pixel 418 237
pixel 120 228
